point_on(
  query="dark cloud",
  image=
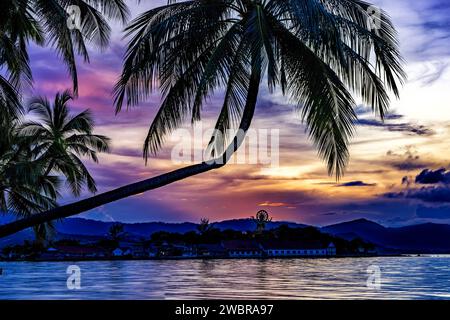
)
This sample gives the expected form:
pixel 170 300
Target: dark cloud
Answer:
pixel 355 172
pixel 406 161
pixel 394 195
pixel 330 213
pixel 362 110
pixel 127 152
pixel 409 128
pixel 437 194
pixel 409 165
pixel 431 194
pixel 406 181
pixel 441 212
pixel 428 176
pixel 406 127
pixel 393 116
pixel 356 184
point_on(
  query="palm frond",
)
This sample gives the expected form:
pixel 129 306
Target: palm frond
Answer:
pixel 10 105
pixel 318 51
pixel 326 105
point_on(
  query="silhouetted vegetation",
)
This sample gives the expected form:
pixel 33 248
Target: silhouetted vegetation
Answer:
pixel 204 225
pixel 282 233
pixel 190 244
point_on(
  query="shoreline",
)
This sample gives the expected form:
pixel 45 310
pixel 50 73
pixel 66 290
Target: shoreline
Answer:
pixel 220 258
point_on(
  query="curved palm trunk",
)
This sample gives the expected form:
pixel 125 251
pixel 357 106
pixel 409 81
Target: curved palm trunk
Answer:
pixel 148 184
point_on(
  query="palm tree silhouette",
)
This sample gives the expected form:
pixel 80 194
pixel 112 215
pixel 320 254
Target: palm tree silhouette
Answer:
pixel 317 52
pixel 24 189
pixel 204 226
pixel 61 139
pixel 116 232
pixel 32 154
pixel 46 23
pixel 43 23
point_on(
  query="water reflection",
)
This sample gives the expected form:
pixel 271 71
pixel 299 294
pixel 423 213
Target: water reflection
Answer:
pixel 401 278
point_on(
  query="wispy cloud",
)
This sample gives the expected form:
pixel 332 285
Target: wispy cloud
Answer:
pixel 357 183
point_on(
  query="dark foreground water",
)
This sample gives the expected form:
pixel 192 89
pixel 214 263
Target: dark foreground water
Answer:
pixel 343 278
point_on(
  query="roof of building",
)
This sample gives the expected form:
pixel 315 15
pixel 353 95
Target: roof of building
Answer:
pixel 240 245
pixel 180 245
pixel 79 250
pixel 210 246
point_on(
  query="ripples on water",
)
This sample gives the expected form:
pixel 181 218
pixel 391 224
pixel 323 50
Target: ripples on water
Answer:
pixel 340 278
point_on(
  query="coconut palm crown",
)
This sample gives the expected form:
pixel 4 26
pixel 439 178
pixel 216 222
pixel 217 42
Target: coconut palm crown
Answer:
pixel 67 26
pixel 61 139
pixel 317 52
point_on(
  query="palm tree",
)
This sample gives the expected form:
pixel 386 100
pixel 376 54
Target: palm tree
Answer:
pixel 10 105
pixel 204 226
pixel 32 153
pixel 48 22
pixel 24 188
pixel 116 232
pixel 318 52
pixel 261 219
pixel 61 139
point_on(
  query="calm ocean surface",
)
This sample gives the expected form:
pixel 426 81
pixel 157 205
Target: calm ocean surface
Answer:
pixel 342 278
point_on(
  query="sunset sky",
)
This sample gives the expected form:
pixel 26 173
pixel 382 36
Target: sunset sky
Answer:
pixel 381 182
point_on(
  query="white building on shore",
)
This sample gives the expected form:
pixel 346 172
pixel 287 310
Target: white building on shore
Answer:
pixel 297 248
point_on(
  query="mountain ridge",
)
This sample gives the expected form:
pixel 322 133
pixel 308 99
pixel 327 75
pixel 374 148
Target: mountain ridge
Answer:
pixel 425 237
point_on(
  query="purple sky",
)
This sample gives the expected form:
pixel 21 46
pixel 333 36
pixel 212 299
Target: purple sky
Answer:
pixel 380 183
